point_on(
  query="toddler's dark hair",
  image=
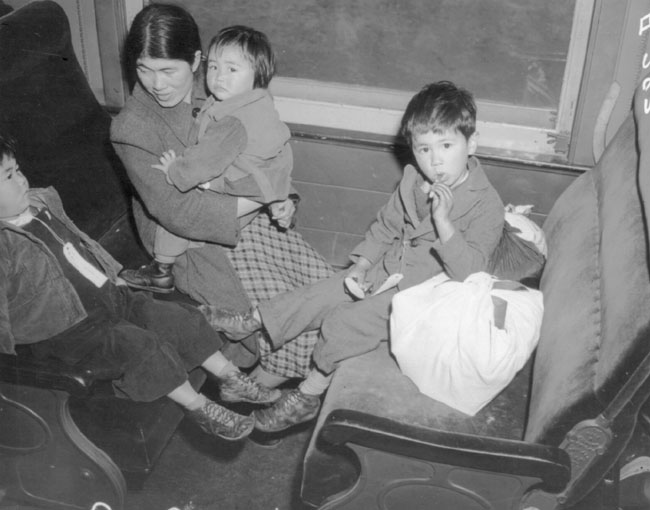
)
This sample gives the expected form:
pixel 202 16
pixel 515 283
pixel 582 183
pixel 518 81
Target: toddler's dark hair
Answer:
pixel 439 107
pixel 254 45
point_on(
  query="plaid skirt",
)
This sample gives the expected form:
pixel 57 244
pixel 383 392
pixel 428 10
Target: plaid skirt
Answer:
pixel 270 262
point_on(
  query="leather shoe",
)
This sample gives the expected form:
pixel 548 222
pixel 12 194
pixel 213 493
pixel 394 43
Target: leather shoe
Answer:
pixel 154 277
pixel 224 423
pixel 294 407
pixel 235 325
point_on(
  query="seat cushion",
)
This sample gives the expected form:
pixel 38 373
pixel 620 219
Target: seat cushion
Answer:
pixel 373 384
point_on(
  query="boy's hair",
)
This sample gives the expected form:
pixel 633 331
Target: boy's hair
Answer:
pixel 254 45
pixel 439 107
pixel 8 147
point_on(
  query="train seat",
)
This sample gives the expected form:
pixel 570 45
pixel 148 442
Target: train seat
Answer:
pixel 550 440
pixel 66 440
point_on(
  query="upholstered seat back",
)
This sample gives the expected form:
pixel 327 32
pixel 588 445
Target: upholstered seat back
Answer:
pixel 596 286
pixel 48 106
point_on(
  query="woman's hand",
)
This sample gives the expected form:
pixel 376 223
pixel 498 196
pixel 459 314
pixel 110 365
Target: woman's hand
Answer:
pixel 282 212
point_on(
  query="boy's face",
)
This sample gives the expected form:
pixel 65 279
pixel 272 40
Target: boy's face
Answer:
pixel 229 73
pixel 442 157
pixel 13 189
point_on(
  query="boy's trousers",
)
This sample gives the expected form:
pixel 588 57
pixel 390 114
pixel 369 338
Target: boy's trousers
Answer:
pixel 347 327
pixel 146 346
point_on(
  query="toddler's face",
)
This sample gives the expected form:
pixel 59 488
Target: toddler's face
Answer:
pixel 229 73
pixel 13 189
pixel 442 157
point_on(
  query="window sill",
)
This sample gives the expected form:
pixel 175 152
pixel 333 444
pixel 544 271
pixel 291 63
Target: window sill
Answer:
pixel 374 115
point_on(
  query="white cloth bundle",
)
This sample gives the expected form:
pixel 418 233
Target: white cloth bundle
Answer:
pixel 456 345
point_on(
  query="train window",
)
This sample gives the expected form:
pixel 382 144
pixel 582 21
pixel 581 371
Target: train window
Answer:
pixel 540 71
pixel 354 65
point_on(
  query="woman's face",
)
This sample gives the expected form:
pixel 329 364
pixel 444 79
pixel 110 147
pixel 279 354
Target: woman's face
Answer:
pixel 169 81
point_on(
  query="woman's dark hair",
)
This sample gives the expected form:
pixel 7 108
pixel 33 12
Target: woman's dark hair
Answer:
pixel 161 31
pixel 254 45
pixel 438 107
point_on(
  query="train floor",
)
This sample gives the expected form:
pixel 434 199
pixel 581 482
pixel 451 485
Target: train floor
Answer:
pixel 198 472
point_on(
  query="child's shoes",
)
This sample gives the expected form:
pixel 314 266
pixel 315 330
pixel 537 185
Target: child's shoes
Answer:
pixel 235 325
pixel 224 423
pixel 155 277
pixel 238 387
pixel 292 408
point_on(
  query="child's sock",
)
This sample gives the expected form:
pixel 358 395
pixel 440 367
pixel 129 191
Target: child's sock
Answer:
pixel 219 365
pixel 197 402
pixel 164 259
pixel 315 383
pixel 227 368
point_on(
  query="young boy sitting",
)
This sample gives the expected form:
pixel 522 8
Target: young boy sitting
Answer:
pixel 59 293
pixel 444 216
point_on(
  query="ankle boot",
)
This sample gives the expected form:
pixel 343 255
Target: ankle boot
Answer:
pixel 155 277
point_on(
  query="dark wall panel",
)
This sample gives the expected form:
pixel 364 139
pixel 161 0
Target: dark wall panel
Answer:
pixel 344 184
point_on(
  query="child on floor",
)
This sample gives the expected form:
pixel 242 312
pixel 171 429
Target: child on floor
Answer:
pixel 444 216
pixel 60 294
pixel 255 166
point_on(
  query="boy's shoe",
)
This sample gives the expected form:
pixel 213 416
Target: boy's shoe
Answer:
pixel 155 277
pixel 294 407
pixel 238 387
pixel 219 421
pixel 236 325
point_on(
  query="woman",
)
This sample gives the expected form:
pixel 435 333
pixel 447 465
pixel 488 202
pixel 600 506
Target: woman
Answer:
pixel 230 267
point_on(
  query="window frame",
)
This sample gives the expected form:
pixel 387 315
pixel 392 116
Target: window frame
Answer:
pixel 603 42
pixel 512 132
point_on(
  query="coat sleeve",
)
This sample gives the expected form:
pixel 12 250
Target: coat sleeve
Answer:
pixel 221 143
pixel 383 233
pixel 7 341
pixel 469 251
pixel 194 215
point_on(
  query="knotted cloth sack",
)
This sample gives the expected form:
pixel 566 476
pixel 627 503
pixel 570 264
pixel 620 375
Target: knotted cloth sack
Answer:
pixel 461 343
pixel 521 252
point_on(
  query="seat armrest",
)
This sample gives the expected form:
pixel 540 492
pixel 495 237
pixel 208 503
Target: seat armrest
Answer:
pixel 25 369
pixel 552 465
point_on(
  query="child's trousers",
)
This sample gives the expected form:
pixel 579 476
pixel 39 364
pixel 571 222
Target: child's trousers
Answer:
pixel 146 346
pixel 347 327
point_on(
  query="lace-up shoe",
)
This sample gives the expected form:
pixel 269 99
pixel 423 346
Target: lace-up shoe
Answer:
pixel 292 408
pixel 238 387
pixel 236 325
pixel 219 421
